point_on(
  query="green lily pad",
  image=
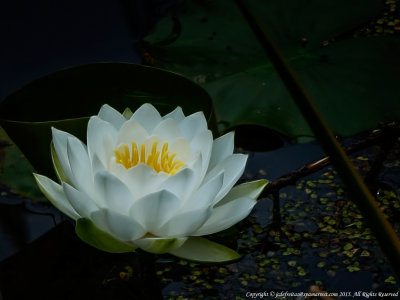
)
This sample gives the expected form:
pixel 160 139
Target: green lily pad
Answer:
pixel 99 239
pixel 345 78
pixel 204 251
pixel 15 171
pixel 66 99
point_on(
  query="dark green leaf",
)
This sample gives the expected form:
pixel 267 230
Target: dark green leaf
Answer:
pixel 345 78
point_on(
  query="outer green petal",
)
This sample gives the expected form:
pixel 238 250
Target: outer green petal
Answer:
pixel 160 245
pixel 250 189
pixel 202 250
pixel 99 239
pixel 127 113
pixel 57 165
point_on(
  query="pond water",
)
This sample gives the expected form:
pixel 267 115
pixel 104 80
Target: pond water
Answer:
pixel 321 240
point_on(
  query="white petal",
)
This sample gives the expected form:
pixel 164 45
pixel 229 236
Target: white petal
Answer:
pixel 116 169
pixel 99 133
pixel 80 166
pixel 167 130
pixel 148 116
pixel 181 184
pixel 196 164
pixel 60 140
pixel 120 226
pixel 225 216
pixel 176 114
pixel 160 245
pixel 186 223
pixel 112 116
pixel 154 210
pixel 81 202
pixel 193 125
pixel 132 131
pixel 181 147
pixel 142 180
pixel 205 195
pixel 54 193
pixel 233 167
pixel 203 143
pixel 97 165
pixel 221 149
pixel 114 193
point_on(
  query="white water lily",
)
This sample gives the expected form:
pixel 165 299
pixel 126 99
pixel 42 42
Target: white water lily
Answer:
pixel 150 181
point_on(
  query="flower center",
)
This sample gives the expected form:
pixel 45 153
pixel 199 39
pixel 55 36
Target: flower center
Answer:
pixel 163 161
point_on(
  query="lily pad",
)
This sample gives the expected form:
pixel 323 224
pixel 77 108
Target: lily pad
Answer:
pixel 345 77
pixel 66 99
pixel 15 171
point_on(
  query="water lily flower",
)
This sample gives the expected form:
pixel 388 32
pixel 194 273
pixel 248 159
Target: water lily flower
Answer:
pixel 152 182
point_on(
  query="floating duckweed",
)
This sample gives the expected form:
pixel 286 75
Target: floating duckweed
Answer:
pixel 254 239
pixel 321 264
pixel 354 267
pixel 292 263
pixel 348 246
pixel 183 262
pixel 365 253
pixel 263 263
pixel 334 267
pixel 311 183
pixel 391 280
pixel 324 253
pixel 301 271
pixel 197 273
pixel 276 267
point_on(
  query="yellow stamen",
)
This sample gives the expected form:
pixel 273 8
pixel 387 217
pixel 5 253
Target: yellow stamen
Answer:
pixel 142 154
pixel 160 161
pixel 135 154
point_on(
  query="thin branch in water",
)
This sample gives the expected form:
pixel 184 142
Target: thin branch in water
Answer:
pixel 388 131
